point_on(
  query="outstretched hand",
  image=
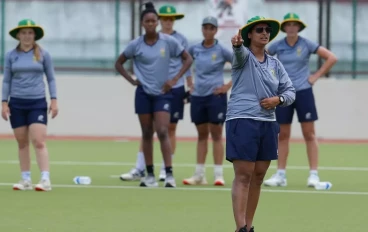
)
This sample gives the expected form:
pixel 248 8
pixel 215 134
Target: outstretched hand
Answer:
pixel 237 40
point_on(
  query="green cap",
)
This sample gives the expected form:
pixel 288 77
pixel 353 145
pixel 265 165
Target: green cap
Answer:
pixel 27 23
pixel 292 17
pixel 274 24
pixel 169 11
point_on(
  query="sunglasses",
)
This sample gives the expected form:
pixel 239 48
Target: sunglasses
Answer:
pixel 261 29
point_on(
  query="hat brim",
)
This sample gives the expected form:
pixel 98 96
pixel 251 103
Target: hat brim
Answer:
pixel 210 24
pixel 176 16
pixel 274 24
pixel 302 24
pixel 38 31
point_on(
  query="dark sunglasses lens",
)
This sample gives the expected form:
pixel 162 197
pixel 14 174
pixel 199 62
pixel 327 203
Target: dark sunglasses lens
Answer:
pixel 260 29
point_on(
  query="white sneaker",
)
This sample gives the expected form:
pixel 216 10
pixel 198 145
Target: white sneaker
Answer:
pixel 219 181
pixel 43 185
pixel 170 182
pixel 133 175
pixel 23 185
pixel 149 181
pixel 276 180
pixel 195 180
pixel 312 180
pixel 162 175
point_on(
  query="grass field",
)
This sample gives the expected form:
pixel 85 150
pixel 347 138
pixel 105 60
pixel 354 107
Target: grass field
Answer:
pixel 109 205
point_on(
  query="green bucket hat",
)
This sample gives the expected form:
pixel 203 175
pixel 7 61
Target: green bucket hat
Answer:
pixel 292 17
pixel 169 11
pixel 27 23
pixel 274 24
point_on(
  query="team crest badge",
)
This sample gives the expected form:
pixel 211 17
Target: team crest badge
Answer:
pixel 214 56
pixel 273 72
pixel 162 51
pixel 299 51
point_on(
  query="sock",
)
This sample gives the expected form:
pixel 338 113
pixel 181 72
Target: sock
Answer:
pixel 313 172
pixel 150 170
pixel 281 172
pixel 141 163
pixel 200 169
pixel 26 175
pixel 218 170
pixel 45 175
pixel 163 163
pixel 168 171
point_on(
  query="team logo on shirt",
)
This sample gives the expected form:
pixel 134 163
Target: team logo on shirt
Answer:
pixel 162 51
pixel 34 58
pixel 273 72
pixel 214 56
pixel 299 51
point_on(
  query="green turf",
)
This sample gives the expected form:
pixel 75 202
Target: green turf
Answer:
pixel 109 205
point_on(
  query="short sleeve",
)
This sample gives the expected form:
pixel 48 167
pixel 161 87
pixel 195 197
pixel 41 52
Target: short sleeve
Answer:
pixel 176 49
pixel 228 55
pixel 130 49
pixel 272 49
pixel 312 46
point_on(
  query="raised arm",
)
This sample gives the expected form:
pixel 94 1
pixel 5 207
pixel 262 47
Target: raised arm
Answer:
pixel 240 53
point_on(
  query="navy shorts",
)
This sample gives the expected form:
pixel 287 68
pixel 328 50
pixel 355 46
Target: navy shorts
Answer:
pixel 251 140
pixel 149 104
pixel 24 112
pixel 208 109
pixel 305 108
pixel 177 104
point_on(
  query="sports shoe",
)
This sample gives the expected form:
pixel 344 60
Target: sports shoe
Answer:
pixel 197 179
pixel 219 181
pixel 23 185
pixel 149 181
pixel 244 229
pixel 170 182
pixel 43 185
pixel 133 175
pixel 276 180
pixel 312 180
pixel 162 175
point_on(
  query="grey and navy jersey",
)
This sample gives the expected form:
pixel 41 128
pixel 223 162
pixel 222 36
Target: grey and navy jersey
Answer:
pixel 24 75
pixel 254 81
pixel 295 59
pixel 209 67
pixel 152 62
pixel 177 63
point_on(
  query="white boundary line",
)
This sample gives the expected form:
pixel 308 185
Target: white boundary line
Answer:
pixel 179 165
pixel 197 189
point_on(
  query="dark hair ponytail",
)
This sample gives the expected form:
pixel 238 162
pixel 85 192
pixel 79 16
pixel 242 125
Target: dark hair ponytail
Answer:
pixel 150 8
